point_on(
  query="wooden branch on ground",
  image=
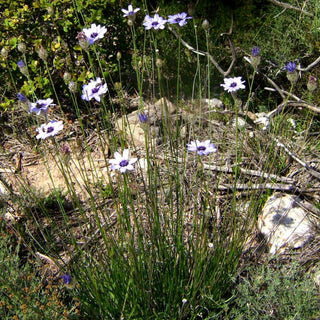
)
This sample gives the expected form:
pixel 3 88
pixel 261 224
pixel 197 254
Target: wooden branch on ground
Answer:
pixel 289 6
pixel 311 65
pixel 314 173
pixel 262 186
pixel 256 173
pixel 302 104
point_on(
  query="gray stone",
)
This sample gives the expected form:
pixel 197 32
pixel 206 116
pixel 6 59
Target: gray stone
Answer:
pixel 285 223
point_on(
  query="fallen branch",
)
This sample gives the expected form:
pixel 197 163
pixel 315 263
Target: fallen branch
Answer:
pixel 271 186
pixel 289 6
pixel 293 104
pixel 293 156
pixel 257 173
pixel 311 65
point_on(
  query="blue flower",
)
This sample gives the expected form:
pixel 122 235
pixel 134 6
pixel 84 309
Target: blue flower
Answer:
pixel 156 22
pixel 22 97
pixel 143 117
pixel 255 51
pixel 66 278
pixel 179 18
pixel 21 64
pixel 291 67
pixel 202 147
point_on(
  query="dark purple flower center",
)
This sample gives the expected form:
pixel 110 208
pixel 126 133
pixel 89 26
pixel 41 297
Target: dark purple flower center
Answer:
pixel 201 148
pixel 50 129
pixel 40 105
pixel 155 23
pixel 124 163
pixel 96 89
pixel 94 35
pixel 178 20
pixel 233 84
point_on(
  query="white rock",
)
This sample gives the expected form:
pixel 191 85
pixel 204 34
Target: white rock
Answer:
pixel 3 190
pixel 284 223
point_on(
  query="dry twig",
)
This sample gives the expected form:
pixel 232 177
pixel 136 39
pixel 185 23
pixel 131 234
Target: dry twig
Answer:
pixel 289 6
pixel 204 53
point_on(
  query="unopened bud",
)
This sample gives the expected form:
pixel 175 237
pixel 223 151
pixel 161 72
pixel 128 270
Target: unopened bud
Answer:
pixel 119 55
pixel 72 86
pixel 4 52
pixel 159 63
pixel 130 22
pixel 43 54
pixel 83 41
pixel 50 11
pixel 22 47
pixel 23 68
pixel 292 76
pixel 67 77
pixel 205 24
pixel 191 9
pixel 312 83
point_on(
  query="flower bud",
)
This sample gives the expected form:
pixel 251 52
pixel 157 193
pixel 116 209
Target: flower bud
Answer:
pixel 22 97
pixel 130 22
pixel 312 83
pixel 205 25
pixel 143 117
pixel 292 74
pixel 50 11
pixel 43 54
pixel 22 47
pixel 67 77
pixel 72 86
pixel 23 68
pixel 159 63
pixel 83 41
pixel 191 9
pixel 4 53
pixel 119 55
pixel 255 57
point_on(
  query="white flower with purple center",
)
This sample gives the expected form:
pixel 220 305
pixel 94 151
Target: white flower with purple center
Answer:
pixel 233 84
pixel 41 106
pixel 122 162
pixel 93 90
pixel 202 147
pixel 130 12
pixel 49 129
pixel 156 22
pixel 94 33
pixel 179 18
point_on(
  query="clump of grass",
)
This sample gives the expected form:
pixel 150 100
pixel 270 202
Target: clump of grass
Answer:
pixel 159 231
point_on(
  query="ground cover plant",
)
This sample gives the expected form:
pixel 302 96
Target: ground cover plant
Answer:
pixel 139 144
